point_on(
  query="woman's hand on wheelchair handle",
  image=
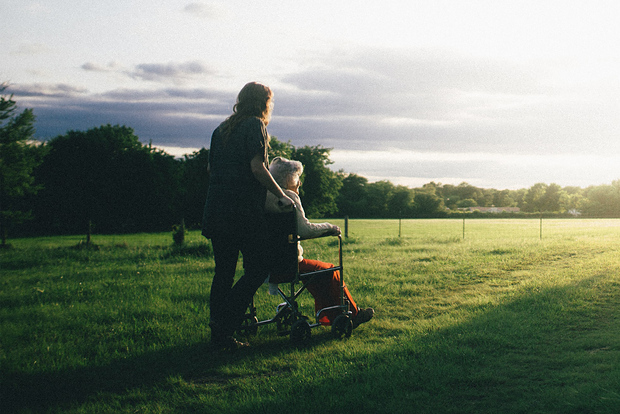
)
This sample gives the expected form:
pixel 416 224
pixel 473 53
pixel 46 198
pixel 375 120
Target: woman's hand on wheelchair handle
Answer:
pixel 285 203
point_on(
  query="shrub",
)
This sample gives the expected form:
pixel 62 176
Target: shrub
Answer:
pixel 178 233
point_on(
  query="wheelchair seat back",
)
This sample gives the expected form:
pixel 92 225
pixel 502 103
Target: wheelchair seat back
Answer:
pixel 282 233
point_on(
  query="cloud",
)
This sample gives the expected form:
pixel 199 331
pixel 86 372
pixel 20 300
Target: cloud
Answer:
pixel 96 67
pixel 171 124
pixel 175 117
pixel 369 100
pixel 178 94
pixel 59 90
pixel 377 98
pixel 30 49
pixel 175 72
pixel 155 72
pixel 205 10
pixel 410 82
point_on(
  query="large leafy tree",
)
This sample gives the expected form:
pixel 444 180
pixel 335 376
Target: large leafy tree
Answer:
pixel 278 148
pixel 19 155
pixel 378 196
pixel 352 198
pixel 400 203
pixel 503 199
pixel 534 198
pixel 194 187
pixel 572 201
pixel 542 197
pixel 603 200
pixel 106 177
pixel 552 197
pixel 320 184
pixel 426 201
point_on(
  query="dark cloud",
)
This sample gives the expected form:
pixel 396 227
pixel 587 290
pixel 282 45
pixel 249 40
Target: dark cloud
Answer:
pixel 59 90
pixel 175 117
pixel 171 72
pixel 167 93
pixel 151 122
pixel 164 72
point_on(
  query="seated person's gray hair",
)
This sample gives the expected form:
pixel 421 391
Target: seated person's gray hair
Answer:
pixel 286 172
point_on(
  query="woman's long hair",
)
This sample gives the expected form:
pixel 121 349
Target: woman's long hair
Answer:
pixel 254 100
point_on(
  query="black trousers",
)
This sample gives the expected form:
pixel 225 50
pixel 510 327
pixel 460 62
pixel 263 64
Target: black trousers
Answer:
pixel 229 300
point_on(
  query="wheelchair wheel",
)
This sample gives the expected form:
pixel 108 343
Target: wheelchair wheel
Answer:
pixel 285 321
pixel 300 332
pixel 342 326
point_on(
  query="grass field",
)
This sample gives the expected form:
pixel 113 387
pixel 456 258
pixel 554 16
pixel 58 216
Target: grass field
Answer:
pixel 486 318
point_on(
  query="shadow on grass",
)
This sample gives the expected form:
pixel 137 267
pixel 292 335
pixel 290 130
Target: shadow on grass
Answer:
pixel 69 388
pixel 552 350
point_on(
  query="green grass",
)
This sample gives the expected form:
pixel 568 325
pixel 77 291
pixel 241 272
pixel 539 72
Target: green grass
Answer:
pixel 498 321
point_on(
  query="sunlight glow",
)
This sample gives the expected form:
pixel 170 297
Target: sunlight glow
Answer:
pixel 177 152
pixel 480 169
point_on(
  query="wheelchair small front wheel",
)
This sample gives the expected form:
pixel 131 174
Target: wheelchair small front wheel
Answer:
pixel 300 332
pixel 342 326
pixel 285 321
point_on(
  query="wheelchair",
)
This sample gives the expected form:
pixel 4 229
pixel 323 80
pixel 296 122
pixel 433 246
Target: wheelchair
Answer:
pixel 284 270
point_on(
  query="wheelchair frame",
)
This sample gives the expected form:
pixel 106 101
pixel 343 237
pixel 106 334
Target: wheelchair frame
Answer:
pixel 284 268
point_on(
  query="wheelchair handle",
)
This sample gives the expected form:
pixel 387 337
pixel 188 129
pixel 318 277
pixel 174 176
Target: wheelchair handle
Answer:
pixel 281 204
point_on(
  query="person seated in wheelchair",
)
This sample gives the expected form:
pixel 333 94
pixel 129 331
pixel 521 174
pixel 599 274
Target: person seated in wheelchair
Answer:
pixel 325 288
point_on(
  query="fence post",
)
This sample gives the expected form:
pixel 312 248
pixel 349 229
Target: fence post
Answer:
pixel 346 227
pixel 89 232
pixel 540 226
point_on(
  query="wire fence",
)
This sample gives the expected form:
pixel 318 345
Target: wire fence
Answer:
pixel 470 229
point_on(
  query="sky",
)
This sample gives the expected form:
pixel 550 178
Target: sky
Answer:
pixel 498 94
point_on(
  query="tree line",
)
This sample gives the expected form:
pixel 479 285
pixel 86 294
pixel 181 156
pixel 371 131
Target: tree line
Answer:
pixel 105 180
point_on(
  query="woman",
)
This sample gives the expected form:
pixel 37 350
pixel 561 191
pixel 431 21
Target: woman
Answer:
pixel 325 289
pixel 235 206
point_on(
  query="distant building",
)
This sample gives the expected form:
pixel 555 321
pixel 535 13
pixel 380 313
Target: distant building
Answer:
pixel 492 209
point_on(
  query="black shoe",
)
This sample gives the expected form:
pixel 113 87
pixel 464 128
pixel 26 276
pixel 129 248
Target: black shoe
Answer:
pixel 363 316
